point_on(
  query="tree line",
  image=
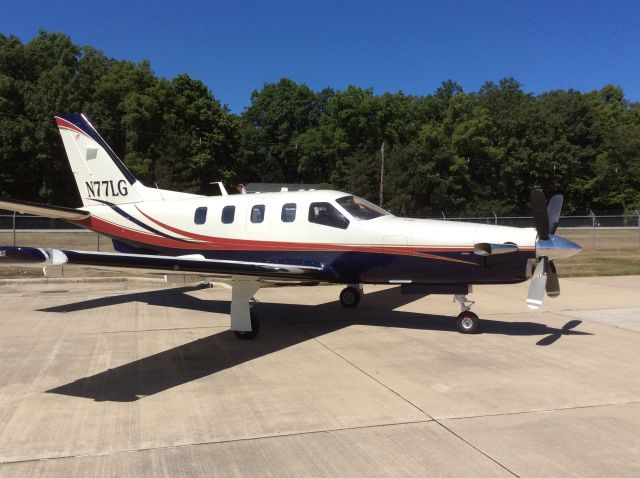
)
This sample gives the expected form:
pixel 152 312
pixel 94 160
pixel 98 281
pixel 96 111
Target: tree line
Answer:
pixel 451 150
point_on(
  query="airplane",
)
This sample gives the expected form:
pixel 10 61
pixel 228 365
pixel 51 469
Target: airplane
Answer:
pixel 251 240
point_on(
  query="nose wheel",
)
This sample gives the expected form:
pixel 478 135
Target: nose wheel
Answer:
pixel 467 322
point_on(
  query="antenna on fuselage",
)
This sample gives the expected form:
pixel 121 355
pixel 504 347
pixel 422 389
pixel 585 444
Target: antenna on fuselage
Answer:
pixel 159 190
pixel 223 191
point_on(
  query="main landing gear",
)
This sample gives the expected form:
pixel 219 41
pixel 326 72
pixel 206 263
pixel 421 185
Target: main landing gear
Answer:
pixel 249 334
pixel 467 322
pixel 244 322
pixel 351 295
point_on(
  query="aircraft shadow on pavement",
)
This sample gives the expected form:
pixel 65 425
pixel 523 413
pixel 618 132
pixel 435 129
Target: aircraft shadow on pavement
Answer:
pixel 220 351
pixel 176 297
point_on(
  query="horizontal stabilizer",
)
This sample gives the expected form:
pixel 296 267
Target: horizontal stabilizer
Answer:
pixel 53 212
pixel 30 256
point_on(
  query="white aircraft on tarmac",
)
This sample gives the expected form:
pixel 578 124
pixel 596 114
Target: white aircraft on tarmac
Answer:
pixel 249 240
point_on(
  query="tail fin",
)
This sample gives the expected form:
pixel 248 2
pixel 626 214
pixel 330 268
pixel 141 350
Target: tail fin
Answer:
pixel 100 175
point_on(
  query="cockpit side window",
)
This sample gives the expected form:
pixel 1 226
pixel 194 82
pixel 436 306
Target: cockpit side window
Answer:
pixel 360 208
pixel 327 215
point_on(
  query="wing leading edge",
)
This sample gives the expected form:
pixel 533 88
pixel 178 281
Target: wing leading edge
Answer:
pixel 194 264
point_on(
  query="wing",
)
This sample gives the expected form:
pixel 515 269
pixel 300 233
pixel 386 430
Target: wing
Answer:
pixel 192 264
pixel 53 212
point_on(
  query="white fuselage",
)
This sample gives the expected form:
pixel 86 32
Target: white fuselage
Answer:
pixel 386 230
pixel 436 250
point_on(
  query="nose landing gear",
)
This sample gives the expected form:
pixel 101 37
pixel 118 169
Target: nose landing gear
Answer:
pixel 467 322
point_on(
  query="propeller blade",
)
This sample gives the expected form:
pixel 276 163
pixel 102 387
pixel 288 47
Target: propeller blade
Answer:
pixel 538 283
pixel 553 285
pixel 540 216
pixel 553 211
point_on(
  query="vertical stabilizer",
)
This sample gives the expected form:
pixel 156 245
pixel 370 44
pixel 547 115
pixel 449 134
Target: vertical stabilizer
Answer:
pixel 100 175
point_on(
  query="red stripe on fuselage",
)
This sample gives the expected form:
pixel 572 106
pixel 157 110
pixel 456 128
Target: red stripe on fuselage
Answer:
pixel 119 232
pixel 243 244
pixel 219 243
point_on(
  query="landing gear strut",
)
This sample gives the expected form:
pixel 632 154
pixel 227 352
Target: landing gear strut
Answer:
pixel 467 322
pixel 351 295
pixel 244 322
pixel 249 334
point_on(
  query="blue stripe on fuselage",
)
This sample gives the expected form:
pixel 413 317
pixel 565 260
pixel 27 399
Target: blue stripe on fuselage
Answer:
pixel 140 223
pixel 368 267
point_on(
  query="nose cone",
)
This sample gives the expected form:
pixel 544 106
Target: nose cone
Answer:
pixel 556 247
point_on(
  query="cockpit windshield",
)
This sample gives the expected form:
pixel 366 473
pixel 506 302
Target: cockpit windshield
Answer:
pixel 360 208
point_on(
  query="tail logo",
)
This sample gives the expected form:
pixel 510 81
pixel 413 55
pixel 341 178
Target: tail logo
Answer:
pixel 106 188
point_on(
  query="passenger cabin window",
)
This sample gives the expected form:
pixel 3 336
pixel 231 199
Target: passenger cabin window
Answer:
pixel 288 212
pixel 360 208
pixel 200 217
pixel 257 214
pixel 327 215
pixel 228 213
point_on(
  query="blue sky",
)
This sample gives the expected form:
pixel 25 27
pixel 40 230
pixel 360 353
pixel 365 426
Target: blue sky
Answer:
pixel 236 47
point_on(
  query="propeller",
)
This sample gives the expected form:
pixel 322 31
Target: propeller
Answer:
pixel 545 275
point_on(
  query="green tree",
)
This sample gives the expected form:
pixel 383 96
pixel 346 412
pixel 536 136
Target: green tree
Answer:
pixel 277 116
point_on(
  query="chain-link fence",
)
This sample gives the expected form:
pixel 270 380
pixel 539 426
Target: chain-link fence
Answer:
pixel 27 230
pixel 591 231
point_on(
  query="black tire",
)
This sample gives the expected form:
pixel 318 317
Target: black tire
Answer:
pixel 350 297
pixel 468 323
pixel 255 328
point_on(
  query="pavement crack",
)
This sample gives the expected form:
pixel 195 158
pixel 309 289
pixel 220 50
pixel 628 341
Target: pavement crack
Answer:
pixel 397 394
pixel 132 331
pixel 343 358
pixel 542 410
pixel 483 453
pixel 213 442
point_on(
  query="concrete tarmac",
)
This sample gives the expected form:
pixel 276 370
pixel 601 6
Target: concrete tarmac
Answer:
pixel 136 379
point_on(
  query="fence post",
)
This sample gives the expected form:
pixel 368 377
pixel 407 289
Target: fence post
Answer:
pixel 14 229
pixel 495 216
pixel 593 229
pixel 638 214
